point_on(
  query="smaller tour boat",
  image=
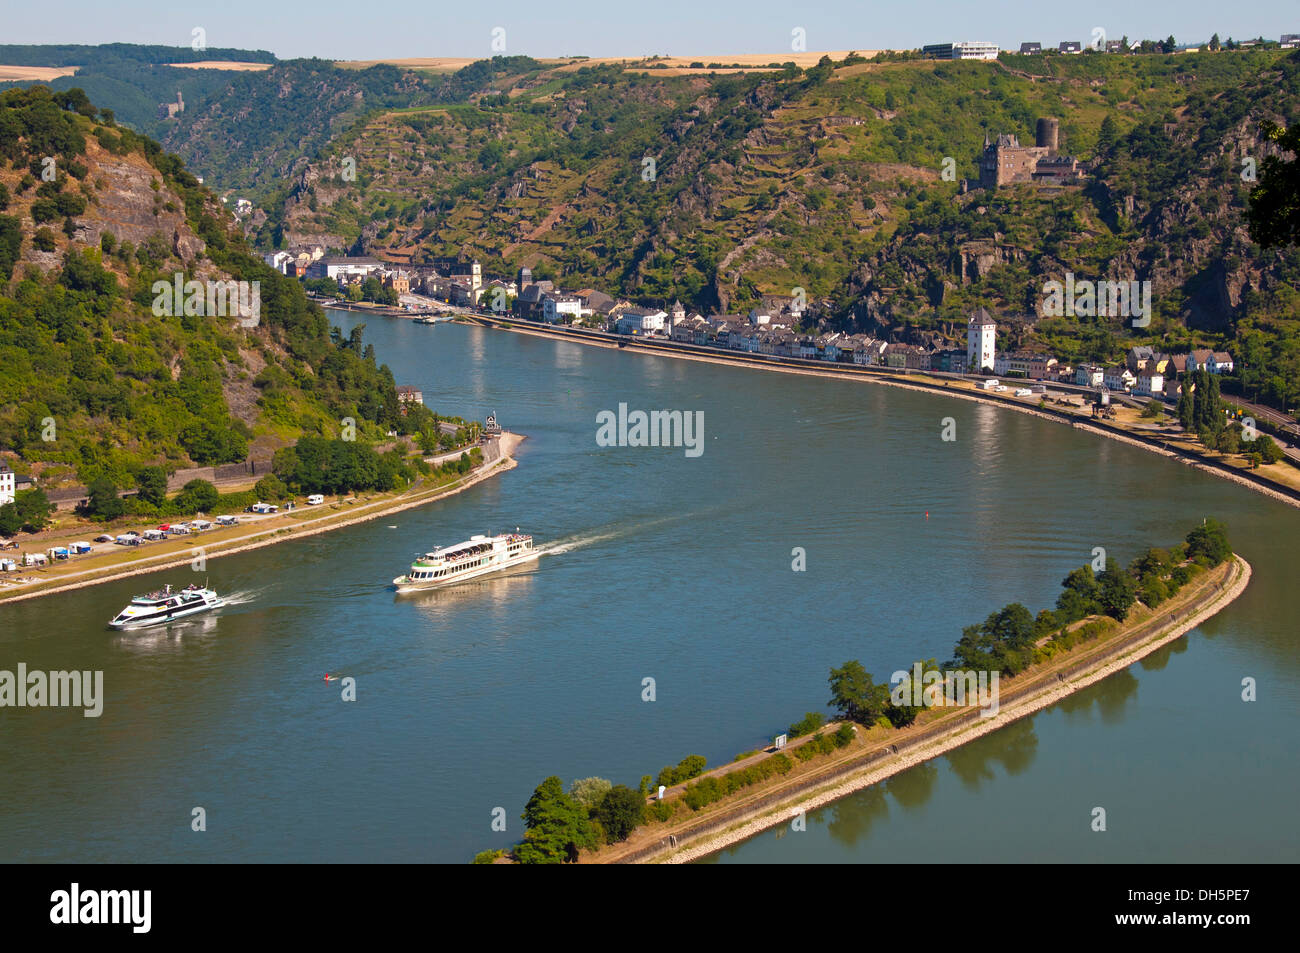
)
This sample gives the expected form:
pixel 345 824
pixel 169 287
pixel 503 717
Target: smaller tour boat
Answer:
pixel 163 606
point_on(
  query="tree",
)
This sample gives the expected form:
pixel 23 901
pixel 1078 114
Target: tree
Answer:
pixel 151 484
pixel 1208 543
pixel 1079 596
pixel 1273 216
pixel 34 509
pixel 855 695
pixel 1107 134
pixel 1185 407
pixel 589 792
pixel 270 487
pixel 1268 450
pixel 10 521
pixel 103 502
pixel 197 496
pixel 620 812
pixel 558 826
pixel 1214 43
pixel 1117 590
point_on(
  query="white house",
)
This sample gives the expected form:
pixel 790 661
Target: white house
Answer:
pixel 981 337
pixel 8 486
pixel 556 307
pixel 1089 375
pixel 279 261
pixel 1119 378
pixel 634 321
pixel 1150 382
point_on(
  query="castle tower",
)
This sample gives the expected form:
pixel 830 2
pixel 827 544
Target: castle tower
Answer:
pixel 1048 135
pixel 475 275
pixel 981 342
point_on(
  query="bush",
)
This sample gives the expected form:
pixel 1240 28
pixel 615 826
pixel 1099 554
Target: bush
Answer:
pixel 197 496
pixel 487 856
pixel 270 488
pixel 807 724
pixel 45 240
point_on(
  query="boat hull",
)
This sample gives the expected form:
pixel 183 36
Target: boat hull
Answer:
pixel 163 618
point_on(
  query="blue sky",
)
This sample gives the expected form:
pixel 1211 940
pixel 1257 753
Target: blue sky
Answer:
pixel 401 28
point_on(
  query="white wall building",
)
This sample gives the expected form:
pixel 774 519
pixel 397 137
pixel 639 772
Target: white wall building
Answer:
pixel 556 307
pixel 963 50
pixel 981 338
pixel 7 484
pixel 640 322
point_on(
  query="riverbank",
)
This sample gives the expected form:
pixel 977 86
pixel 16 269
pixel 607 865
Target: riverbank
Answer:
pixel 1183 451
pixel 239 539
pixel 878 754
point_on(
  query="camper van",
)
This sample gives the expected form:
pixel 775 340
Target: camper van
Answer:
pixel 315 500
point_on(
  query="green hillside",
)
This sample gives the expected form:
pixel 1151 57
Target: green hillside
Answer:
pixel 93 381
pixel 830 180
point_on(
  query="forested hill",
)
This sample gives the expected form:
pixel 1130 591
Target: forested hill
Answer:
pixel 721 190
pixel 94 381
pixel 131 80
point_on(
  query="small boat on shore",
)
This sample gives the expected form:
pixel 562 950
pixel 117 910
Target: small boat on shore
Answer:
pixel 477 556
pixel 164 605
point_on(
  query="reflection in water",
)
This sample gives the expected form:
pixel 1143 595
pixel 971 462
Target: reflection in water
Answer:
pixel 1111 695
pixel 912 788
pixel 167 638
pixel 1158 659
pixel 493 594
pixel 1014 747
pixel 852 818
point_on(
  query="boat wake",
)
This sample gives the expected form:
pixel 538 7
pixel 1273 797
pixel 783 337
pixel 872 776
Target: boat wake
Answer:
pixel 568 544
pixel 243 596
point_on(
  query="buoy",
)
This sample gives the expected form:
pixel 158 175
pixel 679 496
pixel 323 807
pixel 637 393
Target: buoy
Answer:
pixel 927 514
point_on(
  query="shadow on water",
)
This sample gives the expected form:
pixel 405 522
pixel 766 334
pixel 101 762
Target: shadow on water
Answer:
pixel 1111 696
pixel 1014 747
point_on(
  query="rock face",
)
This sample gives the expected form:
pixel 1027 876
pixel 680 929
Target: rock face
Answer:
pixel 131 203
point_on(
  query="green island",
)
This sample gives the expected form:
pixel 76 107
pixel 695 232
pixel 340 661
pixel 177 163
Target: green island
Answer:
pixel 1107 617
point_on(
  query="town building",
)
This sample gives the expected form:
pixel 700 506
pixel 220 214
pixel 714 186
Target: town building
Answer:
pixel 981 339
pixel 640 322
pixel 406 394
pixel 1031 49
pixel 8 484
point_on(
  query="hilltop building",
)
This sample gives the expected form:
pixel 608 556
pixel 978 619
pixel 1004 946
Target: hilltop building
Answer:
pixel 172 110
pixel 8 484
pixel 962 50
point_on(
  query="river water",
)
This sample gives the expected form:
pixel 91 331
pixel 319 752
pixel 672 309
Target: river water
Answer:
pixel 675 568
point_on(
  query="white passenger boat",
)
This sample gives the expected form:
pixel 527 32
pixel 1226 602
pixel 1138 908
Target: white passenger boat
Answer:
pixel 477 556
pixel 163 606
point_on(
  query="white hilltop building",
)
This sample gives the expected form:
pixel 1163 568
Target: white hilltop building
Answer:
pixel 981 337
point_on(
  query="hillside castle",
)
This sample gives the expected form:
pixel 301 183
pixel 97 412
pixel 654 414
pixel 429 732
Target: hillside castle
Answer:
pixel 1007 162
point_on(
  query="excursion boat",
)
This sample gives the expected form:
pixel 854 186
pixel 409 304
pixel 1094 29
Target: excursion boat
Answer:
pixel 163 606
pixel 477 556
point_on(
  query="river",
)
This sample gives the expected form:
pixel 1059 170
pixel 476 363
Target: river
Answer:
pixel 676 568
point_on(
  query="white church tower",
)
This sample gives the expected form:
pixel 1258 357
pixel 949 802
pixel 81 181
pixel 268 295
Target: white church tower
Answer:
pixel 981 342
